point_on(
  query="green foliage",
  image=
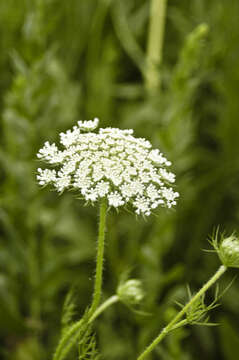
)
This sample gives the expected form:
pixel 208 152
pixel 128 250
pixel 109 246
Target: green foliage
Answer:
pixel 68 311
pixel 61 61
pixel 87 347
pixel 73 333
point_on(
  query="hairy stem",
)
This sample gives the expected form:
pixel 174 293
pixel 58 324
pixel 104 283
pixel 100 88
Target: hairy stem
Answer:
pixel 176 319
pixel 68 340
pixel 99 258
pixel 155 44
pixel 113 299
pixel 72 334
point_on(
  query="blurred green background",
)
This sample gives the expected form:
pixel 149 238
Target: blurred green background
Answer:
pixel 61 61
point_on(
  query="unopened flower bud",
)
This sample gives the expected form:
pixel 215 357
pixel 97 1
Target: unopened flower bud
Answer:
pixel 131 292
pixel 228 251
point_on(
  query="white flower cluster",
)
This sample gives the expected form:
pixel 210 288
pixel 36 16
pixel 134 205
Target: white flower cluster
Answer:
pixel 110 164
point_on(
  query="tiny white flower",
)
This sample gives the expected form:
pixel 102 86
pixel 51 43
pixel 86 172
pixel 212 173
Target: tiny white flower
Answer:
pixel 116 178
pixel 88 125
pixel 167 175
pixel 141 204
pixel 115 199
pixel 91 195
pixel 138 187
pixel 98 172
pixel 102 188
pixel 48 152
pixel 69 167
pixel 157 157
pixel 152 192
pixel 127 190
pixel 169 194
pixel 145 177
pixel 46 176
pixel 62 181
pixel 82 180
pixel 70 137
pixel 156 203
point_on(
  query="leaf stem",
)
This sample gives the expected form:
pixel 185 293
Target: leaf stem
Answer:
pixel 99 258
pixel 113 299
pixel 171 325
pixel 155 44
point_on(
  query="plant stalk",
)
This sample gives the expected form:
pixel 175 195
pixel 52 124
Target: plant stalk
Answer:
pixel 99 258
pixel 172 323
pixel 113 299
pixel 72 335
pixel 155 45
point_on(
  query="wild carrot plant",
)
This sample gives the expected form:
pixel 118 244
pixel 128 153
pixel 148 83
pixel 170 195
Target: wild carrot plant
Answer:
pixel 113 169
pixel 168 70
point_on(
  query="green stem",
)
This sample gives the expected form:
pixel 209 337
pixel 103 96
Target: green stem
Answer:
pixel 99 258
pixel 175 320
pixel 113 299
pixel 155 44
pixel 68 340
pixel 72 335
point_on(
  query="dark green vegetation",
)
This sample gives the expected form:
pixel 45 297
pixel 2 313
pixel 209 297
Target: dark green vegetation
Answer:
pixel 61 61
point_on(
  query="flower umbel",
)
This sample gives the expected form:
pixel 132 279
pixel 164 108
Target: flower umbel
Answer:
pixel 110 164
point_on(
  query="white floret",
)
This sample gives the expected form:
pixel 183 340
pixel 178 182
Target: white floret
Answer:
pixel 169 195
pixel 138 187
pixel 167 175
pixel 62 181
pixel 115 199
pixel 127 190
pixel 48 152
pixel 46 176
pixel 145 177
pixel 82 182
pixel 91 194
pixel 88 125
pixel 69 167
pixel 98 172
pixel 70 137
pixel 157 157
pixel 142 205
pixel 102 188
pixel 152 192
